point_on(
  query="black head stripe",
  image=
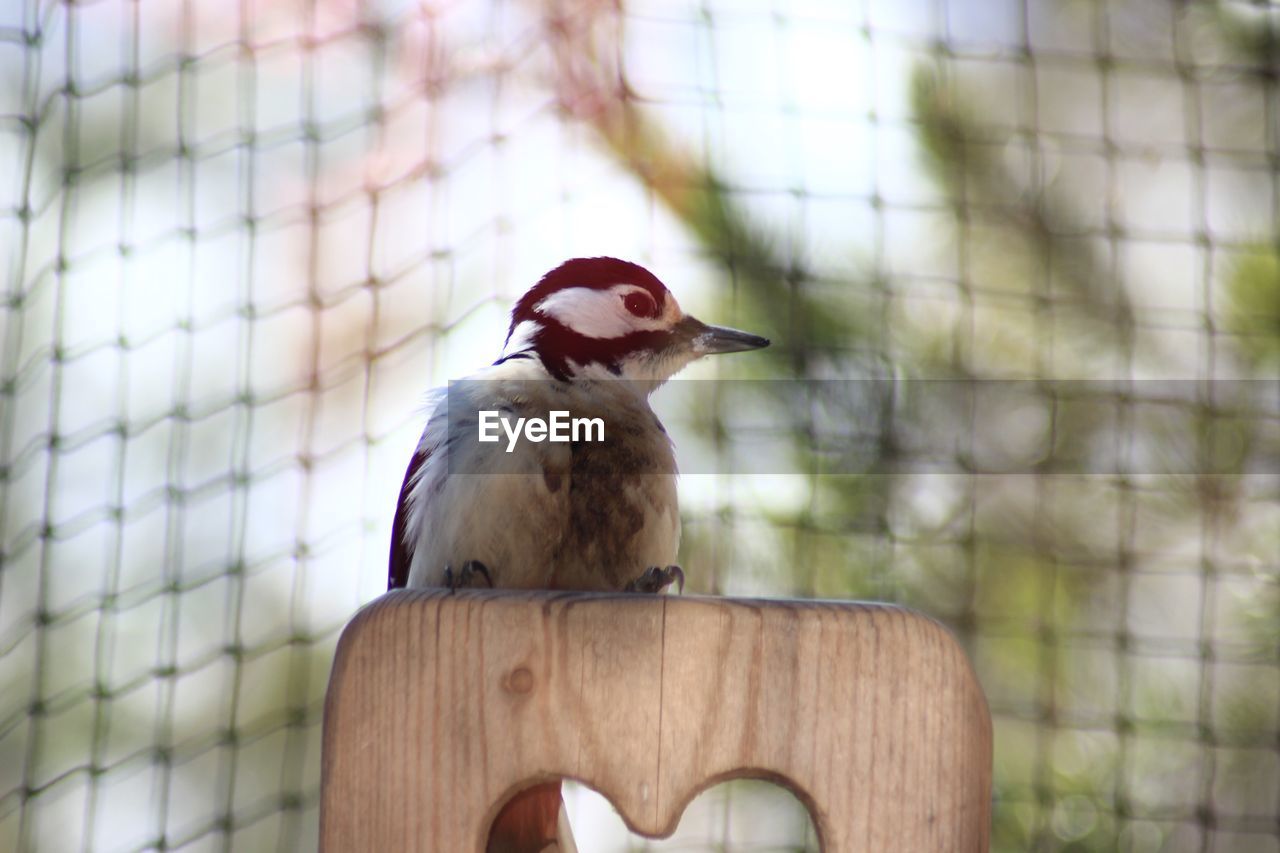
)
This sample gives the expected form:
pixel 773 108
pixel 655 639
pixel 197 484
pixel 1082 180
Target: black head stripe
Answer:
pixel 558 345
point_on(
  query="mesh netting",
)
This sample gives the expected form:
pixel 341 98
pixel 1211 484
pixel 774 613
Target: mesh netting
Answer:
pixel 239 240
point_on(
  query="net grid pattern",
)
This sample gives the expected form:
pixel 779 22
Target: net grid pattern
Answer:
pixel 240 240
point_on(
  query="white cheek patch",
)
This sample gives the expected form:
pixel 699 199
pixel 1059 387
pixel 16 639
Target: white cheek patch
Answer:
pixel 521 336
pixel 596 313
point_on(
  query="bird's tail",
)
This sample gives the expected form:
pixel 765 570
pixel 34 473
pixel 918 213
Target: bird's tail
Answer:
pixel 534 821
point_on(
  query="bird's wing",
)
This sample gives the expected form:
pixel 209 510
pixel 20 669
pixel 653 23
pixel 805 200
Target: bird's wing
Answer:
pixel 462 500
pixel 401 554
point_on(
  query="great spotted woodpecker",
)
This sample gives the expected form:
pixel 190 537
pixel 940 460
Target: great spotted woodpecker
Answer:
pixel 594 337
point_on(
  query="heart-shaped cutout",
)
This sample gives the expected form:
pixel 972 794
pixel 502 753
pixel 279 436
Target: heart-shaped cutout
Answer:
pixel 737 811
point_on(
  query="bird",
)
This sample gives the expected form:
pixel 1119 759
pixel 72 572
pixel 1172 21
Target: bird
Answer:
pixel 594 337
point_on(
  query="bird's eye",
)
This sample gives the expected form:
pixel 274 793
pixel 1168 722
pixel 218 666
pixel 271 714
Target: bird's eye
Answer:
pixel 640 304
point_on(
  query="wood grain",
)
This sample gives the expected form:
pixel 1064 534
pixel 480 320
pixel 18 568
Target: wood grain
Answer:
pixel 441 707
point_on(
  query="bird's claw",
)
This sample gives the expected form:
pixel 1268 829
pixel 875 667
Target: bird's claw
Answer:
pixel 466 575
pixel 655 580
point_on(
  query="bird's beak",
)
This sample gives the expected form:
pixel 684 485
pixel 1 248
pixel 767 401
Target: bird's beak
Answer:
pixel 710 340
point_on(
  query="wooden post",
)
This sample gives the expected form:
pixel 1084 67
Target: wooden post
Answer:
pixel 441 707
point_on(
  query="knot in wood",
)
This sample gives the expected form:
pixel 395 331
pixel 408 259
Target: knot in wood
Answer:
pixel 518 680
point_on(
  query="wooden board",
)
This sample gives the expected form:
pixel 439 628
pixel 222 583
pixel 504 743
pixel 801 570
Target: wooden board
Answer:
pixel 441 707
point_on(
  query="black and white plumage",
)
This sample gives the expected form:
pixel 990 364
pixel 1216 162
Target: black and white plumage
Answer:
pixel 594 336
